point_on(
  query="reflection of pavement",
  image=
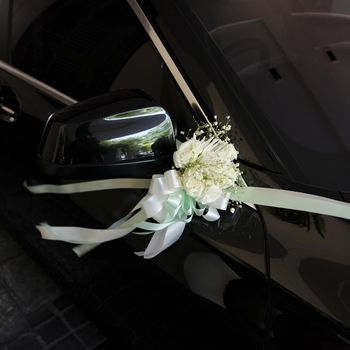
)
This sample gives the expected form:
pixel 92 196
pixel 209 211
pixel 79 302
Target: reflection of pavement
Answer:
pixel 33 313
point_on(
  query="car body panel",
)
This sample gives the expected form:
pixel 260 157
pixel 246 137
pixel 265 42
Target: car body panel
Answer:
pixel 308 252
pixel 300 260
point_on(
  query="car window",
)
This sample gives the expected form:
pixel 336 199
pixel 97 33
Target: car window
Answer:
pixel 292 58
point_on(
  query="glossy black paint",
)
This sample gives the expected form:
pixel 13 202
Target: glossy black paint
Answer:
pixel 298 262
pixel 119 134
pixel 5 25
pixel 296 81
pixel 32 107
pixel 239 239
pixel 308 260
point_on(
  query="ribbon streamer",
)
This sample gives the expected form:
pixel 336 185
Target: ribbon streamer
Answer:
pixel 166 203
pixel 170 208
pixel 292 200
pixel 89 186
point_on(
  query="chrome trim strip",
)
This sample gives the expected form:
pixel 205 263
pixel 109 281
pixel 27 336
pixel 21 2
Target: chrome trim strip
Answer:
pixel 345 340
pixel 166 57
pixel 39 85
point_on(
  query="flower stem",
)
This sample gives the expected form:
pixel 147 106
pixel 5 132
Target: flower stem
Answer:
pixel 211 125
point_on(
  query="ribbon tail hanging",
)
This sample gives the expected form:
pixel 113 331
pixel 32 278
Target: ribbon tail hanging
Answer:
pixel 163 239
pixel 80 235
pixel 82 249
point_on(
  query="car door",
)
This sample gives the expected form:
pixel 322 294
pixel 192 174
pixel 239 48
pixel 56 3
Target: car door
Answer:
pixel 308 264
pixel 54 64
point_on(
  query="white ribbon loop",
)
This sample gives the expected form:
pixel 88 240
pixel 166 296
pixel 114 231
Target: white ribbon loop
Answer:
pixel 172 180
pixel 152 205
pixel 158 185
pixel 212 215
pixel 163 239
pixel 221 203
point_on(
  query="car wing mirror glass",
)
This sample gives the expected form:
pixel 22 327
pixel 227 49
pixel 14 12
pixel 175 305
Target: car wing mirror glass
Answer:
pixel 120 134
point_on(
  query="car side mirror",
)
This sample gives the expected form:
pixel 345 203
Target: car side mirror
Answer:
pixel 120 134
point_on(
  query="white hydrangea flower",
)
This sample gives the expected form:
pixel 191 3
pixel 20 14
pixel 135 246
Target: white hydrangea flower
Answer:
pixel 187 153
pixel 193 183
pixel 206 168
pixel 227 150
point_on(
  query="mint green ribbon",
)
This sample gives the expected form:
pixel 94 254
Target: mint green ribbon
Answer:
pixel 172 208
pixel 291 200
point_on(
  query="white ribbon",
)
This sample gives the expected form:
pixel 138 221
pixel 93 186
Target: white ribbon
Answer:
pixel 166 202
pixel 89 186
pixel 292 200
pixel 171 208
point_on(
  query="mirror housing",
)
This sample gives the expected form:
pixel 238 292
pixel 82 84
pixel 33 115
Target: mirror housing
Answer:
pixel 119 134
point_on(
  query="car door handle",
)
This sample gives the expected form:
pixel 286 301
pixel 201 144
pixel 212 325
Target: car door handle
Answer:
pixel 9 105
pixel 7 114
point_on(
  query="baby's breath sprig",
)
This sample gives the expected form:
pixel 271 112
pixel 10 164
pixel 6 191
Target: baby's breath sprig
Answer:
pixel 207 162
pixel 216 129
pixel 233 205
pixel 187 135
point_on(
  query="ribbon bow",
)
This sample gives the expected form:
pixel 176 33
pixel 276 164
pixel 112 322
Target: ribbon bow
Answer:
pixel 164 211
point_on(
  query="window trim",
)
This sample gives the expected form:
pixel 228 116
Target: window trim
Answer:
pixel 175 72
pixel 37 84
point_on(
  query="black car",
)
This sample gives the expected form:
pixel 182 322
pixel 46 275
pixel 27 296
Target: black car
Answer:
pixel 280 69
